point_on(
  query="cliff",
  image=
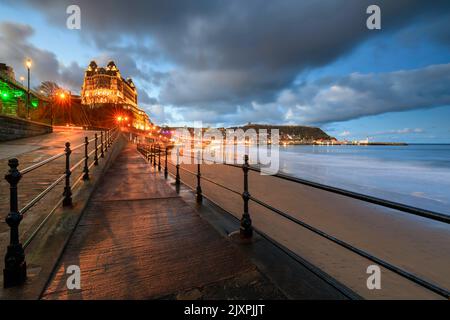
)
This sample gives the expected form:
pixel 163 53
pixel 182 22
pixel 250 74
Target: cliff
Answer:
pixel 291 132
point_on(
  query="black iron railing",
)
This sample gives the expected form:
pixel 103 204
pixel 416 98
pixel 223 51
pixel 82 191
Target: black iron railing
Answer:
pixel 15 265
pixel 246 228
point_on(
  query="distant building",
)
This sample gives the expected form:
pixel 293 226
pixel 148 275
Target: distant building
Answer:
pixel 106 86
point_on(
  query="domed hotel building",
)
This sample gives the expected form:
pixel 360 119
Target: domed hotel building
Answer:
pixel 106 86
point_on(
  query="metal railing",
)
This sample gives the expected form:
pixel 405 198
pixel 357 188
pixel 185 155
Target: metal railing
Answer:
pixel 151 152
pixel 15 271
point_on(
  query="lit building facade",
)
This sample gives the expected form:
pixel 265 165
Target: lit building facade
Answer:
pixel 106 86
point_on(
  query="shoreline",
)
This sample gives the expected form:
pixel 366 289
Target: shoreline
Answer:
pixel 345 144
pixel 416 244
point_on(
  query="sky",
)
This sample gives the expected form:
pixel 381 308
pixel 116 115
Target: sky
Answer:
pixel 232 62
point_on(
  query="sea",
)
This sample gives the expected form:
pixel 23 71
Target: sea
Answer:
pixel 416 174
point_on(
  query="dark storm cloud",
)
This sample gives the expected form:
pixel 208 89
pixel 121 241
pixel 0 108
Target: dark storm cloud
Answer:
pixel 15 45
pixel 232 57
pixel 237 50
pixel 358 95
pixel 145 98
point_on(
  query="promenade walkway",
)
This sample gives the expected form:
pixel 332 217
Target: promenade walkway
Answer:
pixel 138 239
pixel 30 151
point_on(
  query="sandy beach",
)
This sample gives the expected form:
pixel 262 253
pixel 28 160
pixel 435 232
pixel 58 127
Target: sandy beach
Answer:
pixel 416 244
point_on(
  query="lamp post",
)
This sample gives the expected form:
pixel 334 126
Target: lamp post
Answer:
pixel 28 64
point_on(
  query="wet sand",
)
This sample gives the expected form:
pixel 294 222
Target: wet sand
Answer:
pixel 416 244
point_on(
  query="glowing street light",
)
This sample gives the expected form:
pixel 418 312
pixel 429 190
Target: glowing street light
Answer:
pixel 28 65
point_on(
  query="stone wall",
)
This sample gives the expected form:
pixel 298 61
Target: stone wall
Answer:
pixel 15 128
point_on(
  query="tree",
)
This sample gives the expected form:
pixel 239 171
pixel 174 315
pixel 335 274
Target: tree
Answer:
pixel 48 88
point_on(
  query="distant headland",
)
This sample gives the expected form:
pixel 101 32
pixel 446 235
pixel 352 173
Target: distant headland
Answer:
pixel 306 135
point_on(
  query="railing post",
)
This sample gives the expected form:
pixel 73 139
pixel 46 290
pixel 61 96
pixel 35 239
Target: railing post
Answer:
pixel 159 158
pixel 154 156
pixel 86 158
pixel 96 151
pixel 15 272
pixel 199 188
pixel 106 140
pixel 177 177
pixel 102 155
pixel 67 201
pixel 166 172
pixel 246 229
pixel 151 155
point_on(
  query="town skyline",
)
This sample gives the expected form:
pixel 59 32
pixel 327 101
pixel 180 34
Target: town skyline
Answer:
pixel 340 91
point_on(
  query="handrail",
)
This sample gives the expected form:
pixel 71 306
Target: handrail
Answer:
pixel 44 162
pixel 39 227
pixel 40 164
pixel 359 196
pixel 207 179
pixel 247 197
pixel 76 165
pixel 362 253
pixel 437 216
pixel 78 146
pixel 15 273
pixel 30 204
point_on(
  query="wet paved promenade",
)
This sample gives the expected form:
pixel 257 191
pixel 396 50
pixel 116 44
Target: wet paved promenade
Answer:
pixel 30 151
pixel 139 240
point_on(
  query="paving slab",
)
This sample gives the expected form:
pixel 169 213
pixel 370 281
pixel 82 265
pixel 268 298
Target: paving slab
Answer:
pixel 138 239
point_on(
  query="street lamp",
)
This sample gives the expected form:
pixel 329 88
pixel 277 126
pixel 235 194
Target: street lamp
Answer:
pixel 65 99
pixel 28 65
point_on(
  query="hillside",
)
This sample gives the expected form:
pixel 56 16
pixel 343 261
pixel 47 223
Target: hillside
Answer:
pixel 292 132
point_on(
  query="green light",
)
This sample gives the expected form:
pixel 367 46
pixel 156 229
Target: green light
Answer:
pixel 34 103
pixel 18 93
